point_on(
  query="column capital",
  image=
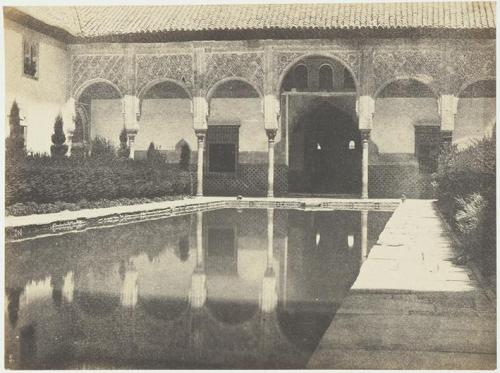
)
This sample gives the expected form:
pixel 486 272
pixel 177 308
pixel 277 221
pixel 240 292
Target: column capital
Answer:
pixel 200 133
pixel 365 134
pixel 271 134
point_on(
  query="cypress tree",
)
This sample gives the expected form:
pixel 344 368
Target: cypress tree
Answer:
pixel 59 149
pixel 15 142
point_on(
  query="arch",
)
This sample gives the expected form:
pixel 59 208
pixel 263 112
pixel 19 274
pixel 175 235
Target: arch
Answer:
pixel 216 85
pixel 323 55
pixel 423 80
pixel 154 82
pixel 325 74
pixel 78 92
pixel 474 81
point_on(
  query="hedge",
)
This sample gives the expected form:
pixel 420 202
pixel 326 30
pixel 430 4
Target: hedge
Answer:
pixel 42 179
pixel 465 186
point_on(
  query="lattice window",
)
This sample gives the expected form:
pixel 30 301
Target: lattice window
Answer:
pixel 30 58
pixel 223 145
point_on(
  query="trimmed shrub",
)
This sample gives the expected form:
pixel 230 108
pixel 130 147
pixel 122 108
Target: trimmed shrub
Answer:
pixel 465 185
pixel 42 179
pixel 102 148
pixel 59 148
pixel 123 150
pixel 153 155
pixel 185 157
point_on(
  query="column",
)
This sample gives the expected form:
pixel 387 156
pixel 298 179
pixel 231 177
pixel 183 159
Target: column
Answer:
pixel 365 108
pixel 131 116
pixel 271 134
pixel 365 137
pixel 131 133
pixel 447 105
pixel 200 115
pixel 271 118
pixel 201 135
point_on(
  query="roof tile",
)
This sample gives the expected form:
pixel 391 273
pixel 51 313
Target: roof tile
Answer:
pixel 96 21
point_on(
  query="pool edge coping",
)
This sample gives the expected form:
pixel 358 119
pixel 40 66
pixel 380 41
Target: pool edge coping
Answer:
pixel 68 221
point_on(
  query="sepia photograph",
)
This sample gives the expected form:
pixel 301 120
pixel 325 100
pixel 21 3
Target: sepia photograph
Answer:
pixel 250 185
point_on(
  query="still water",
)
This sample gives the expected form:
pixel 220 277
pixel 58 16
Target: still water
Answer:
pixel 219 289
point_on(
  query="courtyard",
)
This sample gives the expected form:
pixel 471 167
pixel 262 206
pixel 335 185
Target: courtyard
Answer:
pixel 266 186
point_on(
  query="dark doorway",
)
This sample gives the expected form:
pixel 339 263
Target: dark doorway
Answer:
pixel 331 152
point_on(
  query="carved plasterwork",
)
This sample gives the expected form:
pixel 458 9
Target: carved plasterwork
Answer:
pixel 248 66
pixel 391 64
pixel 467 66
pixel 91 67
pixel 178 67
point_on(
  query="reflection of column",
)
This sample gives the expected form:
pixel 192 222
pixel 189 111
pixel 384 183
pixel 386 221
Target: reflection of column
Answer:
pixel 201 135
pixel 365 136
pixel 130 289
pixel 198 294
pixel 269 297
pixel 364 235
pixel 68 287
pixel 271 134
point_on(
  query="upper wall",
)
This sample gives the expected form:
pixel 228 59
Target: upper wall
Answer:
pixel 39 100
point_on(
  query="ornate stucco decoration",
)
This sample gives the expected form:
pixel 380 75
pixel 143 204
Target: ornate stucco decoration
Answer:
pixel 92 67
pixel 176 67
pixel 467 66
pixel 391 64
pixel 248 65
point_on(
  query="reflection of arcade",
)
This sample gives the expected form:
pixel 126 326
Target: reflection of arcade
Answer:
pixel 165 307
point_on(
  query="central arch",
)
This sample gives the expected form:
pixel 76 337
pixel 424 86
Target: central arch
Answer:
pixel 323 145
pixel 327 156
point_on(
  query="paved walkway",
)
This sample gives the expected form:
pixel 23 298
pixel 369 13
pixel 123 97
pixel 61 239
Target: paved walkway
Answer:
pixel 411 307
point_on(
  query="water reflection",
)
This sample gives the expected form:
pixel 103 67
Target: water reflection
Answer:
pixel 255 288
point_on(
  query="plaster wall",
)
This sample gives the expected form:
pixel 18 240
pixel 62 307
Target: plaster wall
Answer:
pixel 394 120
pixel 41 100
pixel 106 119
pixel 246 111
pixel 475 118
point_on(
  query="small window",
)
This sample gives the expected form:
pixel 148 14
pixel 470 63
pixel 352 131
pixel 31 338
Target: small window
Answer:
pixel 301 77
pixel 30 58
pixel 325 78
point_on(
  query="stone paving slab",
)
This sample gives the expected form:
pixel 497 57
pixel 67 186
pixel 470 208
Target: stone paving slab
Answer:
pixel 411 307
pixel 394 359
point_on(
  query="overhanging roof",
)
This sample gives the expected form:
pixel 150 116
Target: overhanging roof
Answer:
pixel 87 22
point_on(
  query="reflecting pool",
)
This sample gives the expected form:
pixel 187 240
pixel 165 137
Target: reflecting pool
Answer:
pixel 221 289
